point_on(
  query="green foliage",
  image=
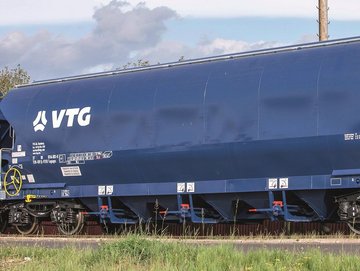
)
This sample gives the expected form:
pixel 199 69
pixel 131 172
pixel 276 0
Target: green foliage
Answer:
pixel 143 63
pixel 9 78
pixel 132 247
pixel 139 253
pixel 137 64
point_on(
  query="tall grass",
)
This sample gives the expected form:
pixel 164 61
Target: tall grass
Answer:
pixel 138 253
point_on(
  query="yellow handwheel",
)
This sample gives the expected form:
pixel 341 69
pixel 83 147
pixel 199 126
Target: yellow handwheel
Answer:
pixel 12 182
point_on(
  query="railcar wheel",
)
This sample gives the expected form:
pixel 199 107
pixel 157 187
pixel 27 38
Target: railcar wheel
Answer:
pixel 66 228
pixel 3 222
pixel 354 227
pixel 30 228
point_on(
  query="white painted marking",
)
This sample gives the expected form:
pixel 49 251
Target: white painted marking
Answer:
pixel 190 187
pixel 18 154
pixel 101 190
pixel 284 183
pixel 30 178
pixel 71 171
pixel 273 183
pixel 181 187
pixel 109 189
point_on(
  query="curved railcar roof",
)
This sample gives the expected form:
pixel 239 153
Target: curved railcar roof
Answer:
pixel 201 60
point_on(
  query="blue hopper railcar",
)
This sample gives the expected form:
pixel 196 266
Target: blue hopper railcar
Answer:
pixel 271 134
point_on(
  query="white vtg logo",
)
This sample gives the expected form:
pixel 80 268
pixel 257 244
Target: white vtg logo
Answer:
pixel 81 116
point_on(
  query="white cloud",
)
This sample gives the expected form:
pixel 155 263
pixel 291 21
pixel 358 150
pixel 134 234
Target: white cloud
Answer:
pixel 122 33
pixel 98 68
pixel 340 10
pixel 224 46
pixel 308 38
pixel 173 51
pixel 119 30
pixel 14 12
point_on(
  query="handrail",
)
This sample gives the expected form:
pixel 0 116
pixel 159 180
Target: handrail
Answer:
pixel 12 136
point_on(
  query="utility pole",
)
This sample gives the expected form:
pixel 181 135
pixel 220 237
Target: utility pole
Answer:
pixel 323 20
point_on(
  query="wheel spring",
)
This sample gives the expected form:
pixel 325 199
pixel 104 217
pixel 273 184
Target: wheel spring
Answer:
pixel 19 217
pixel 25 218
pixel 71 216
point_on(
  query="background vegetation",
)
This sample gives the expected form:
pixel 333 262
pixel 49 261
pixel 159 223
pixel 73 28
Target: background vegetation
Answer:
pixel 10 77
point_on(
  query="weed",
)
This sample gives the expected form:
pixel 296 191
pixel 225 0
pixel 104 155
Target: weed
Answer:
pixel 136 252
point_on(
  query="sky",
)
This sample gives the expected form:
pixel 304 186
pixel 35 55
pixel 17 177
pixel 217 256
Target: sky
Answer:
pixel 51 38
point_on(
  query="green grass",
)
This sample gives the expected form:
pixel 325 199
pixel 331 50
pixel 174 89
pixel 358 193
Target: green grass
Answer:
pixel 138 253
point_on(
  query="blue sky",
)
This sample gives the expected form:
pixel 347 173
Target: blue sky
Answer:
pixel 252 29
pixel 58 38
pixel 190 30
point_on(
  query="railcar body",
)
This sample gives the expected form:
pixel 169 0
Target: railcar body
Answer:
pixel 272 134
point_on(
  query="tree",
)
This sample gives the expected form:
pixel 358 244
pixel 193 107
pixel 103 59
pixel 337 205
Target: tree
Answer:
pixel 9 78
pixel 138 64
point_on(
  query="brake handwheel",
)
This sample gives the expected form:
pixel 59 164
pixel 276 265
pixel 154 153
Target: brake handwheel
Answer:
pixel 12 182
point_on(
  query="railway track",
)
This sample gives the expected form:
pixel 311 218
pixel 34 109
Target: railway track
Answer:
pixel 93 228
